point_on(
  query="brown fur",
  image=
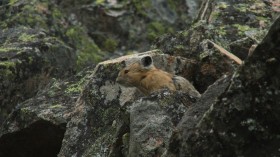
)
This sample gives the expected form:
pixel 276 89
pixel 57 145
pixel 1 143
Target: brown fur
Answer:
pixel 148 79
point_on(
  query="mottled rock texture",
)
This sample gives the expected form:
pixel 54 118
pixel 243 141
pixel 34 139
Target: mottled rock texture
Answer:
pixel 51 106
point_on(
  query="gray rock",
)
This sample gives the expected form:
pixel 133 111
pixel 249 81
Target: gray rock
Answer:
pixel 244 120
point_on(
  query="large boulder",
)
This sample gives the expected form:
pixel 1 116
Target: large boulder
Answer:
pixel 131 25
pixel 29 59
pixel 101 120
pixel 38 42
pixel 244 120
pixel 234 25
pixel 36 126
pixel 89 114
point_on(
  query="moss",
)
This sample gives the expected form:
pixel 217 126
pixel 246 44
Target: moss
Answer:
pixel 156 29
pixel 110 45
pixel 6 73
pixel 172 4
pixel 8 49
pixel 98 2
pixel 241 28
pixel 89 54
pixel 7 64
pixel 56 13
pixel 87 50
pixel 55 87
pixel 74 88
pixel 28 16
pixel 241 7
pixel 215 15
pixel 222 5
pixel 33 18
pixel 26 37
pixel 77 86
pixel 30 59
pixel 221 31
pixel 6 70
pixel 259 8
pixel 180 47
pixel 13 2
pixel 142 6
pixel 25 110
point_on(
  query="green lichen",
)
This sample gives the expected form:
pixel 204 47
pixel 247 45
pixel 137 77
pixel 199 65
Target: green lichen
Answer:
pixel 98 2
pixel 185 33
pixel 215 15
pixel 7 64
pixel 26 37
pixel 30 60
pixel 221 30
pixel 77 86
pixel 156 29
pixel 54 88
pixel 56 13
pixel 87 50
pixel 13 2
pixel 142 6
pixel 110 44
pixel 25 110
pixel 179 48
pixel 243 8
pixel 222 5
pixel 6 70
pixel 8 49
pixel 74 88
pixel 242 28
pixel 172 4
pixel 31 17
pixel 7 74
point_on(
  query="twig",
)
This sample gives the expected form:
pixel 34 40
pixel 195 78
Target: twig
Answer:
pixel 228 54
pixel 204 10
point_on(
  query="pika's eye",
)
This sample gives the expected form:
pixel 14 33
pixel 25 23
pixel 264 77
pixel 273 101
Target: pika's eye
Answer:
pixel 126 71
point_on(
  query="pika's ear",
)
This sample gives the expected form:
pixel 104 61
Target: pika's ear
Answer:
pixel 147 62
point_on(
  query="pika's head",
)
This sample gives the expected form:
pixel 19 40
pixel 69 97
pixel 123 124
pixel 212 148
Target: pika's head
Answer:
pixel 131 75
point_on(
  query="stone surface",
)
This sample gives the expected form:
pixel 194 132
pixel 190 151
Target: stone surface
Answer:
pixel 29 59
pixel 101 117
pixel 244 120
pixel 50 113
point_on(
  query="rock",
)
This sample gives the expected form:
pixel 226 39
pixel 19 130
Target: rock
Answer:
pixel 92 113
pixel 36 127
pixel 38 42
pixel 56 23
pixel 244 120
pixel 101 118
pixel 152 121
pixel 131 25
pixel 233 25
pixel 195 113
pixel 29 59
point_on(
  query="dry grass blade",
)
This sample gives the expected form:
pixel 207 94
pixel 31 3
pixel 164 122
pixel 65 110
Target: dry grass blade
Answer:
pixel 228 54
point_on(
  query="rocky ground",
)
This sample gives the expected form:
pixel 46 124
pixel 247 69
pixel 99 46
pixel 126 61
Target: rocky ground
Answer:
pixel 58 99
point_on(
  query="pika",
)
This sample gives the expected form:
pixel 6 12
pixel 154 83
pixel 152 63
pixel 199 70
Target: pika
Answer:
pixel 147 78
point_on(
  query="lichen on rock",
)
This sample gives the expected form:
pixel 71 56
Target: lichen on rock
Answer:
pixel 51 107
